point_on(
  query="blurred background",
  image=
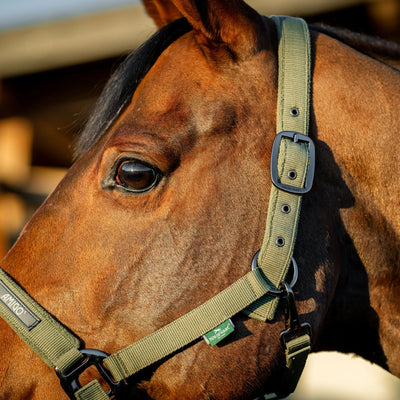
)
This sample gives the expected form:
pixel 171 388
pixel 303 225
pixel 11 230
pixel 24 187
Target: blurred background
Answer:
pixel 55 57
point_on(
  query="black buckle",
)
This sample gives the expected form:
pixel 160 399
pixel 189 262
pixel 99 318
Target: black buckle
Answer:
pixel 294 328
pixel 70 381
pixel 296 137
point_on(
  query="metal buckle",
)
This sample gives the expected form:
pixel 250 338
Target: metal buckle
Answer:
pixel 70 381
pixel 296 137
pixel 278 292
pixel 294 328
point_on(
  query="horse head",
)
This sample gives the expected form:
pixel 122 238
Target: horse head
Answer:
pixel 166 205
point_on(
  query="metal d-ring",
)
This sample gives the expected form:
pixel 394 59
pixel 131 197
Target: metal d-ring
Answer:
pixel 278 292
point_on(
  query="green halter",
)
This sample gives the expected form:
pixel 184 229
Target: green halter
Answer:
pixel 292 167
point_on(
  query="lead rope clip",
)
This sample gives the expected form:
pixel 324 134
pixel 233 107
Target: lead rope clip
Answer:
pixel 294 328
pixel 296 341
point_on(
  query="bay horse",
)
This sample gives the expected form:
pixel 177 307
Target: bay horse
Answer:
pixel 165 206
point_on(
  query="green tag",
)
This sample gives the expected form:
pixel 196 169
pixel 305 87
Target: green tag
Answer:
pixel 219 333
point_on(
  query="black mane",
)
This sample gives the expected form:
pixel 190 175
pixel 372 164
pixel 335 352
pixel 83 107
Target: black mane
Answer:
pixel 119 90
pixel 382 50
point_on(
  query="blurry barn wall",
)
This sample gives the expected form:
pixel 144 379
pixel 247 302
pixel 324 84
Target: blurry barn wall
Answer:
pixel 51 74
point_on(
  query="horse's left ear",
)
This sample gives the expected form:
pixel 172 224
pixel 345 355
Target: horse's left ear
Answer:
pixel 228 22
pixel 162 12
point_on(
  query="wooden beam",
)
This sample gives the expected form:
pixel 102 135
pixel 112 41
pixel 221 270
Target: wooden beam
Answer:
pixel 13 214
pixel 43 180
pixel 111 33
pixel 16 135
pixel 73 41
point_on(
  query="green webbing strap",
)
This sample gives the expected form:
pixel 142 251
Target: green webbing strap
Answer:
pixel 46 336
pixel 92 391
pixel 189 327
pixel 293 159
pixel 297 351
pixel 294 74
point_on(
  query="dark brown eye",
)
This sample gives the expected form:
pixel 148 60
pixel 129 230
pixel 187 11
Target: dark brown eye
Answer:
pixel 136 176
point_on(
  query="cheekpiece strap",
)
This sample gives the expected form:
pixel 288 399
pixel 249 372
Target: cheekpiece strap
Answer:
pixel 292 159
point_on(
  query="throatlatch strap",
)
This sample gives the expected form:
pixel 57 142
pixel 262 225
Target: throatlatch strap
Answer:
pixel 293 159
pixel 39 330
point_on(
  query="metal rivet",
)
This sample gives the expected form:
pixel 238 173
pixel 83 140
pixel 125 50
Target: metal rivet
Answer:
pixel 292 174
pixel 294 112
pixel 280 241
pixel 286 209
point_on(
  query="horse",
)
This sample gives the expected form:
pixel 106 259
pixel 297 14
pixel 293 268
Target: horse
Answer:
pixel 166 202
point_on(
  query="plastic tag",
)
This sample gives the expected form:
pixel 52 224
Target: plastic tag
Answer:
pixel 219 333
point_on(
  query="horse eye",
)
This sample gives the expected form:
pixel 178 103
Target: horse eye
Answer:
pixel 136 176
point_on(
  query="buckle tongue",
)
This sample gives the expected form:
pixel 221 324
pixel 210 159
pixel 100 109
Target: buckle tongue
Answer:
pixel 70 380
pixel 296 137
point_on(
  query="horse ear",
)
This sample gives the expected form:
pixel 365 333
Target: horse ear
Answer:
pixel 228 22
pixel 162 11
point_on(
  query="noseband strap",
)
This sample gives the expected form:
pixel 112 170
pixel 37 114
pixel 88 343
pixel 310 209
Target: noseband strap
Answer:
pixel 292 166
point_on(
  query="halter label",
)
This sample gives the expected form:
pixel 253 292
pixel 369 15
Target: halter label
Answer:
pixel 219 333
pixel 20 311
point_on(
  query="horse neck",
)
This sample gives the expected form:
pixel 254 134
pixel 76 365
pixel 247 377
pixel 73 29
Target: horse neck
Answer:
pixel 355 100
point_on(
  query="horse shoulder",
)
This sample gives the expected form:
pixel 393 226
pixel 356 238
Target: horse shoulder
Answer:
pixel 355 100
